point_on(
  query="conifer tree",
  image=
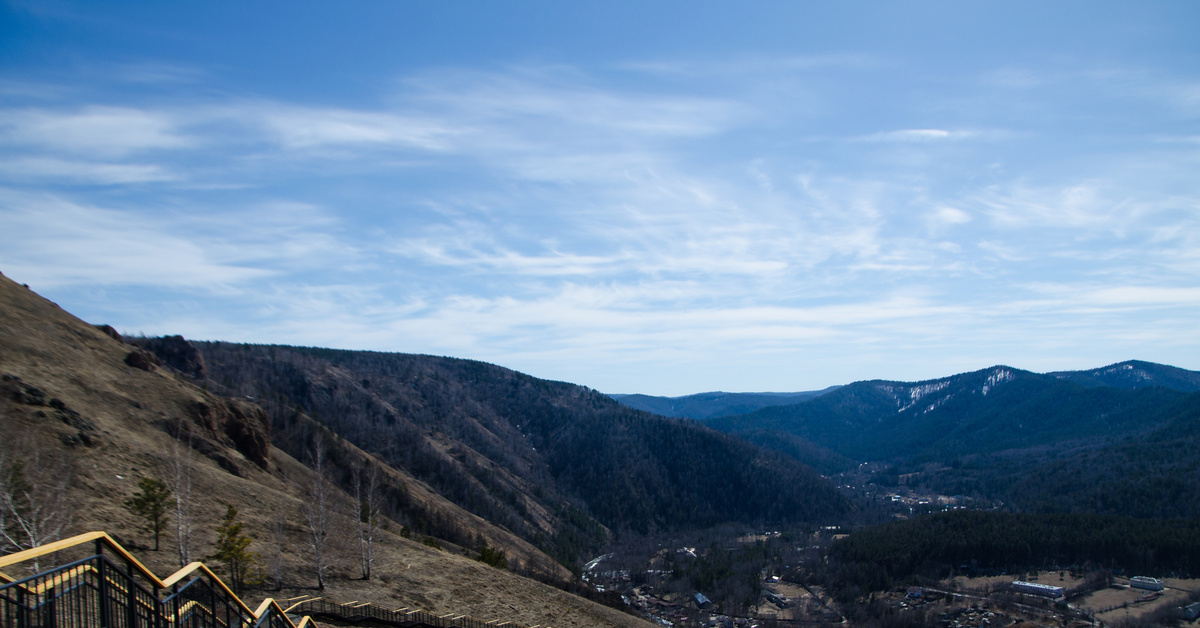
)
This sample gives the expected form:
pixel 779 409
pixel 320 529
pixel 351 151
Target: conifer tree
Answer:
pixel 150 503
pixel 233 548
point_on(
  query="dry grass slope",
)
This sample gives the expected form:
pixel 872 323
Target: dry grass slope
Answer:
pixel 130 409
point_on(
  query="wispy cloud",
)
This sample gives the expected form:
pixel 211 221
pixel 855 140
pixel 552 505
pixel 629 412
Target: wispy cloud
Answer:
pixel 916 136
pixel 58 242
pixel 552 217
pixel 92 130
pixel 29 169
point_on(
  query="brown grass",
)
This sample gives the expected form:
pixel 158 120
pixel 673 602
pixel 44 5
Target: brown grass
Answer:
pixel 72 361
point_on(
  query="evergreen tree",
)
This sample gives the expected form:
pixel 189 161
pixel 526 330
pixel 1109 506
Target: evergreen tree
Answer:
pixel 150 503
pixel 233 548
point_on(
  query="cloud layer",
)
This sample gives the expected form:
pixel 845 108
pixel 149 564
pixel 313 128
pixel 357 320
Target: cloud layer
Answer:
pixel 747 225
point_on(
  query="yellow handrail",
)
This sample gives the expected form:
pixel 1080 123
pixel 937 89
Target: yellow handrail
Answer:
pixel 107 541
pixel 195 568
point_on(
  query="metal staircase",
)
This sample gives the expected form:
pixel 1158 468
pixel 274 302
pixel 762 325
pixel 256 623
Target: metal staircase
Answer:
pixel 109 588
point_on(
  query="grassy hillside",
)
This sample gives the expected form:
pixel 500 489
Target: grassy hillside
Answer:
pixel 75 407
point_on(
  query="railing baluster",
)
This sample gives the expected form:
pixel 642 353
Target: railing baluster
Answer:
pixel 22 618
pixel 130 598
pixel 103 587
pixel 49 604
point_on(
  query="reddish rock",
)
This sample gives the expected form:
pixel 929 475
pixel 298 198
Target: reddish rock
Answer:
pixel 142 359
pixel 242 424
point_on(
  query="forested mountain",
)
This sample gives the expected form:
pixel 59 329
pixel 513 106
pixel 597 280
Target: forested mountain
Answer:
pixel 1136 374
pixel 1062 442
pixel 713 404
pixel 553 462
pixel 985 411
pixel 1148 475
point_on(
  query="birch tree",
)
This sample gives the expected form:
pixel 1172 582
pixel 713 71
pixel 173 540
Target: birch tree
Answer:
pixel 34 509
pixel 367 514
pixel 317 511
pixel 181 488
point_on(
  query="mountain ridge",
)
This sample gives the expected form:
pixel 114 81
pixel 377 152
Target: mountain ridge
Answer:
pixel 716 403
pixel 521 450
pixel 713 404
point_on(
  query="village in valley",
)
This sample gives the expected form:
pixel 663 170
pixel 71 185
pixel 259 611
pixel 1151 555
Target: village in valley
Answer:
pixel 1048 598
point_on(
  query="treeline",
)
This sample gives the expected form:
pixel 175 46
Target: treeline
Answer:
pixel 937 546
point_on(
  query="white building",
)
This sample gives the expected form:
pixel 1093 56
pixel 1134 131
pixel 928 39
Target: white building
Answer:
pixel 1145 582
pixel 1034 588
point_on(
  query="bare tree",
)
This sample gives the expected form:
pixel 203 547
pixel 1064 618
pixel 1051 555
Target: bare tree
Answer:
pixel 34 508
pixel 181 488
pixel 317 511
pixel 367 514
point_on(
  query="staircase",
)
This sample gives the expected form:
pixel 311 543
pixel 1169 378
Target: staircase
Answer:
pixel 109 588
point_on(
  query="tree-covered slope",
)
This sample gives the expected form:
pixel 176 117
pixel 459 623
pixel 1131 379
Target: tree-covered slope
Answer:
pixel 985 411
pixel 1148 475
pixel 547 460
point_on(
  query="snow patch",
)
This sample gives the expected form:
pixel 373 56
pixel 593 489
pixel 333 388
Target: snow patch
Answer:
pixel 917 392
pixel 996 378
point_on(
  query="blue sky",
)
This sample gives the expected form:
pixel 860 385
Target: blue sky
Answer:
pixel 666 197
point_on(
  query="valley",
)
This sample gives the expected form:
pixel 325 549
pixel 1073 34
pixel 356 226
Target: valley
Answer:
pixel 491 493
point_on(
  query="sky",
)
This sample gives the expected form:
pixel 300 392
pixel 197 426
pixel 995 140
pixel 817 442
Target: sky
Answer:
pixel 654 197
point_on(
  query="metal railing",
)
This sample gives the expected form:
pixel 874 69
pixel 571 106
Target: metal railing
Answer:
pixel 111 589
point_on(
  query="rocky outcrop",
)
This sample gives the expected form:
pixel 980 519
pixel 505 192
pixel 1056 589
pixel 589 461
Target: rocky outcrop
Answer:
pixel 111 332
pixel 142 359
pixel 242 424
pixel 231 422
pixel 177 353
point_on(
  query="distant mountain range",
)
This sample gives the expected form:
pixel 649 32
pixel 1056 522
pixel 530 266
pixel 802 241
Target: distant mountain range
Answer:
pixel 1119 439
pixel 713 404
pixel 707 405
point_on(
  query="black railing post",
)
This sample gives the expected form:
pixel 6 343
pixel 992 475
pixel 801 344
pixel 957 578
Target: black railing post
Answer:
pixel 50 615
pixel 22 612
pixel 103 587
pixel 130 598
pixel 158 609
